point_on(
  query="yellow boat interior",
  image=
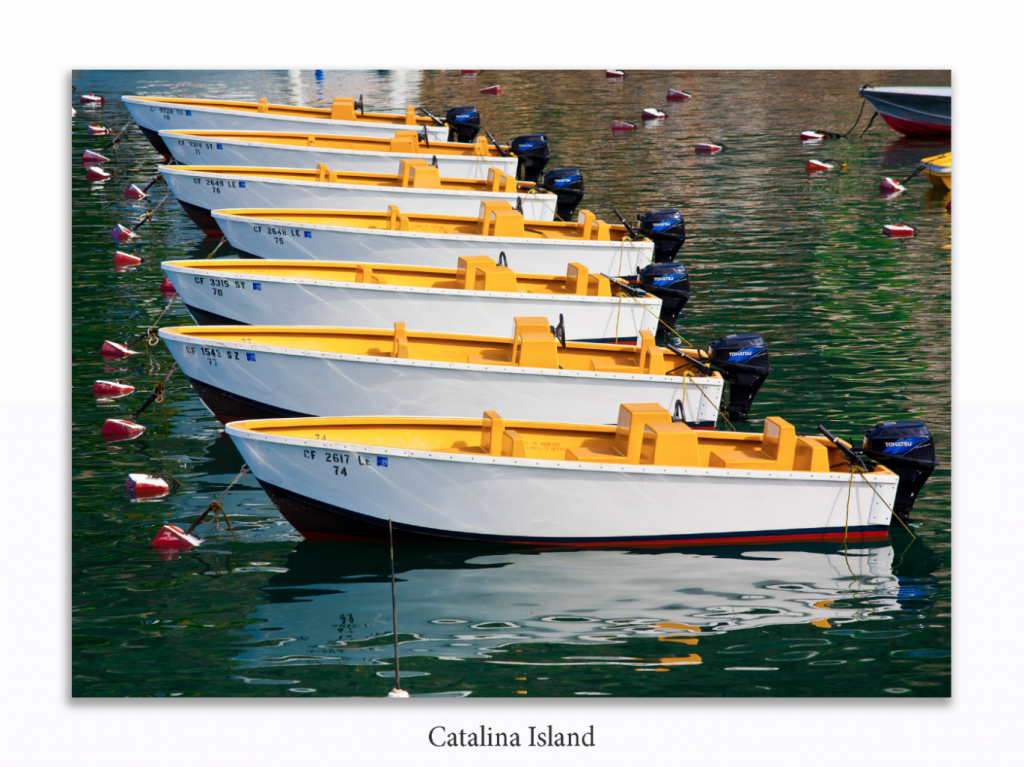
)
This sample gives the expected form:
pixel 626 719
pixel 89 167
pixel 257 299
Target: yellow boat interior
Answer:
pixel 496 219
pixel 412 174
pixel 533 345
pixel 473 273
pixel 341 109
pixel 645 435
pixel 406 142
pixel 939 170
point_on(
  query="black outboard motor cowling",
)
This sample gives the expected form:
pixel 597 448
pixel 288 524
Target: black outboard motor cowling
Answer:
pixel 743 360
pixel 463 124
pixel 907 448
pixel 668 231
pixel 567 184
pixel 533 152
pixel 670 283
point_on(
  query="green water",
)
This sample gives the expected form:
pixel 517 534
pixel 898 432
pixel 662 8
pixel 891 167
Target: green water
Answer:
pixel 859 331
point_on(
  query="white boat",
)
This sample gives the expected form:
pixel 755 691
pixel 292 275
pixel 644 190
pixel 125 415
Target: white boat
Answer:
pixel 478 296
pixel 464 601
pixel 155 114
pixel 417 188
pixel 539 247
pixel 349 154
pixel 644 481
pixel 264 371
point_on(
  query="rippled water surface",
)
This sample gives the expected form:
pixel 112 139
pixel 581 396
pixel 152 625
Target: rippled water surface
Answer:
pixel 859 331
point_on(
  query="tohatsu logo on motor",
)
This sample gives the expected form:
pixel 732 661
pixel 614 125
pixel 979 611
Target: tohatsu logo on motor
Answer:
pixel 904 445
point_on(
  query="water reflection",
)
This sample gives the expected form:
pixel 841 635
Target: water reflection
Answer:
pixel 333 603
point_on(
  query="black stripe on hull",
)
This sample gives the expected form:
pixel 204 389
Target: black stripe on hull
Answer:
pixel 318 520
pixel 202 218
pixel 156 141
pixel 203 317
pixel 228 407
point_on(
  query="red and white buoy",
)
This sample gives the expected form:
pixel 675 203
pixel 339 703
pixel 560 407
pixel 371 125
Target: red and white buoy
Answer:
pixel 96 173
pixel 890 186
pixel 121 233
pixel 98 130
pixel 816 166
pixel 614 73
pixel 621 125
pixel 167 287
pixel 90 98
pixel 898 230
pixel 492 89
pixel 89 156
pixel 173 537
pixel 133 192
pixel 146 486
pixel 674 95
pixel 469 72
pixel 111 350
pixel 707 148
pixel 126 259
pixel 652 114
pixel 116 429
pixel 812 136
pixel 111 389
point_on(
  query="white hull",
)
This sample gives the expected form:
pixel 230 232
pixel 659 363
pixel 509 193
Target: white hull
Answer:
pixel 211 191
pixel 262 238
pixel 559 502
pixel 298 382
pixel 458 605
pixel 300 301
pixel 195 150
pixel 169 116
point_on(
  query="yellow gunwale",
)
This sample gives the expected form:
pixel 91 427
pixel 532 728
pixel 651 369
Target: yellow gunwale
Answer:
pixel 406 142
pixel 533 440
pixel 285 110
pixel 395 220
pixel 532 346
pixel 344 177
pixel 407 276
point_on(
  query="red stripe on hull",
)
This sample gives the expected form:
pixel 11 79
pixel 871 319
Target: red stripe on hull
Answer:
pixel 914 128
pixel 879 535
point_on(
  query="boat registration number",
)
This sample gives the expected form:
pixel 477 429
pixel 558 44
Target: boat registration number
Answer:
pixel 336 463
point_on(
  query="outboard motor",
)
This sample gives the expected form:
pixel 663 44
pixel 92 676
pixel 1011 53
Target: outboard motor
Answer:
pixel 670 283
pixel 668 231
pixel 463 124
pixel 567 184
pixel 743 360
pixel 907 448
pixel 533 152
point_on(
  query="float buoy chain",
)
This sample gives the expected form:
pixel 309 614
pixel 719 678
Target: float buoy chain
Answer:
pixel 218 508
pixel 833 134
pixel 219 245
pixel 152 332
pixel 149 213
pixel 157 396
pixel 872 120
pixel 919 169
pixel 117 138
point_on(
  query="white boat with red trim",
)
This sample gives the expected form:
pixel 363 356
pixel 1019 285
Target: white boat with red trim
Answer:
pixel 478 294
pixel 262 371
pixel 644 481
pixel 346 117
pixel 417 188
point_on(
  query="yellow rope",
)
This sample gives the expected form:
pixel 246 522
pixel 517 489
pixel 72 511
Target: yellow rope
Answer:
pixel 689 374
pixel 534 192
pixel 659 319
pixel 861 475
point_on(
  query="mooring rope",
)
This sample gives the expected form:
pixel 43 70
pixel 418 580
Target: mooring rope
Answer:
pixel 219 245
pixel 218 508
